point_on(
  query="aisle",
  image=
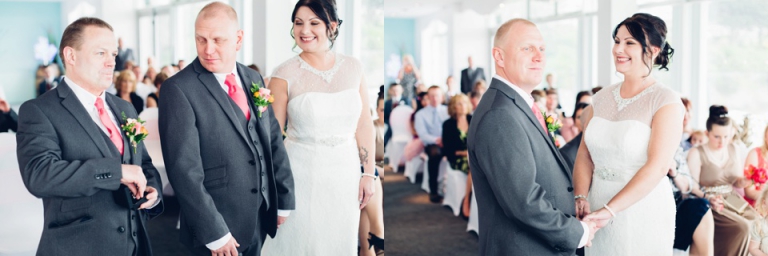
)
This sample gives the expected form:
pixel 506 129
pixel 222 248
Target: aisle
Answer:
pixel 415 226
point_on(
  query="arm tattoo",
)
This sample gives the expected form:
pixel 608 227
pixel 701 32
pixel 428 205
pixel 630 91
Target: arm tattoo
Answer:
pixel 363 155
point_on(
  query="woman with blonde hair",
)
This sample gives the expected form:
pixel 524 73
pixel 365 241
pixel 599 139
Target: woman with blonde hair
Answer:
pixel 126 89
pixel 455 140
pixel 756 158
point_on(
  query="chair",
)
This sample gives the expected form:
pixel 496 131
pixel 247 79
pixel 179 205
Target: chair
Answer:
pixel 399 123
pixel 413 167
pixel 473 224
pixel 455 188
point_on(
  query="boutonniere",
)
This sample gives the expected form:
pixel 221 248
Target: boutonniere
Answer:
pixel 262 97
pixel 553 124
pixel 135 130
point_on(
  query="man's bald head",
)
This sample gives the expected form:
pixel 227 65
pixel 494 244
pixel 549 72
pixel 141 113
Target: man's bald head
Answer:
pixel 502 33
pixel 218 10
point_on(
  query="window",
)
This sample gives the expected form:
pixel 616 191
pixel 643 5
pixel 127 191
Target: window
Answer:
pixel 562 52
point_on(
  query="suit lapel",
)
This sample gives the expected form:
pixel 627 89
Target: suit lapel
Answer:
pixel 73 105
pixel 523 106
pixel 213 86
pixel 118 113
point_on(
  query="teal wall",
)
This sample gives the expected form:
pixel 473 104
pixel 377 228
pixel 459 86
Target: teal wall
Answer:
pixel 21 24
pixel 399 40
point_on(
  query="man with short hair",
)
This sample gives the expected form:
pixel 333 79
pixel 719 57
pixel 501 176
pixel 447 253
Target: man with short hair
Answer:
pixel 470 75
pixel 429 126
pixel 73 154
pixel 124 55
pixel 227 163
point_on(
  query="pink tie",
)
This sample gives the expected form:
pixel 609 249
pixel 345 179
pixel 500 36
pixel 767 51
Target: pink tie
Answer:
pixel 237 95
pixel 114 133
pixel 537 113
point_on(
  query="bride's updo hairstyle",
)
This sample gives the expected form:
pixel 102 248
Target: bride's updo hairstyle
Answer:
pixel 646 28
pixel 326 11
pixel 718 115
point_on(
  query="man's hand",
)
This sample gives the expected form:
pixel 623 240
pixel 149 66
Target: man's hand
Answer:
pixel 4 106
pixel 600 217
pixel 592 230
pixel 281 220
pixel 133 178
pixel 151 198
pixel 229 249
pixel 439 142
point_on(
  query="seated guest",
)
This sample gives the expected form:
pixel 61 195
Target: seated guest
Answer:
pixel 52 79
pixel 572 147
pixel 126 90
pixel 396 99
pixel 756 158
pixel 480 87
pixel 429 125
pixel 474 99
pixel 154 97
pixel 455 140
pixel 758 244
pixel 8 117
pixel 540 99
pixel 452 89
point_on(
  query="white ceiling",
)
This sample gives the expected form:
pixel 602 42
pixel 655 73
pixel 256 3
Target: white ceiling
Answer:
pixel 419 8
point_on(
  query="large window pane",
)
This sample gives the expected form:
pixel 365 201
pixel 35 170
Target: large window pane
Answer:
pixel 562 57
pixel 665 13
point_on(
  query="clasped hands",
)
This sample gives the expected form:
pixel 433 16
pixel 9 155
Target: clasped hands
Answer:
pixel 594 220
pixel 134 179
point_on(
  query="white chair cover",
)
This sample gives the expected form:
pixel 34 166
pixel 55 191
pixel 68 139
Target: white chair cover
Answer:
pixel 455 188
pixel 473 224
pixel 413 167
pixel 399 123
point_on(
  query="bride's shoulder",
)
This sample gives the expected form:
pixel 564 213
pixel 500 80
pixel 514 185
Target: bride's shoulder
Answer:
pixel 349 60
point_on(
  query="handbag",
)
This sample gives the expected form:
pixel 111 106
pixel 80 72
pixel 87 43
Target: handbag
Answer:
pixel 735 203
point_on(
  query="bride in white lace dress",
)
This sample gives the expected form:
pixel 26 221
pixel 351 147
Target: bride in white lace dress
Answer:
pixel 329 136
pixel 630 140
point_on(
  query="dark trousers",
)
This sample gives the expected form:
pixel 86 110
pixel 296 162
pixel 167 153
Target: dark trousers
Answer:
pixel 433 165
pixel 245 250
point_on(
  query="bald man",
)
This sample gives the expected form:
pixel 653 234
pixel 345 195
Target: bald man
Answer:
pixel 524 192
pixel 226 163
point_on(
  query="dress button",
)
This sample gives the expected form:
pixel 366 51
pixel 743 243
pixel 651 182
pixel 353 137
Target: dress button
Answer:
pixel 121 229
pixel 255 191
pixel 570 189
pixel 252 162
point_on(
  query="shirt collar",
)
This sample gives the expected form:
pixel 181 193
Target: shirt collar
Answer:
pixel 86 98
pixel 526 96
pixel 221 77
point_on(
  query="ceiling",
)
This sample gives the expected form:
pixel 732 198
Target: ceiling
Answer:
pixel 419 8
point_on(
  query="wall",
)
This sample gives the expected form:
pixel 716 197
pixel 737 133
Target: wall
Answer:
pixel 398 40
pixel 17 72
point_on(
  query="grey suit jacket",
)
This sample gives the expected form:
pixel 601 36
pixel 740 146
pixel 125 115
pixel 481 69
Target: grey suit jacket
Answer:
pixel 523 186
pixel 68 161
pixel 211 159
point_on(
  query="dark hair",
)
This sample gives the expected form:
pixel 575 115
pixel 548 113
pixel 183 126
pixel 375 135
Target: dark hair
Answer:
pixel 645 27
pixel 551 91
pixel 596 89
pixel 580 105
pixel 254 67
pixel 325 10
pixel 582 94
pixel 160 78
pixel 686 102
pixel 419 97
pixel 473 95
pixel 718 115
pixel 394 84
pixel 73 34
pixel 538 94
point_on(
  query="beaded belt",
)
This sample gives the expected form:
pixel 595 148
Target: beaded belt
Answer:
pixel 718 190
pixel 330 141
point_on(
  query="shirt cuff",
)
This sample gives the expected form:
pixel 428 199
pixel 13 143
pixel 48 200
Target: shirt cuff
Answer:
pixel 215 245
pixel 585 236
pixel 283 213
pixel 156 203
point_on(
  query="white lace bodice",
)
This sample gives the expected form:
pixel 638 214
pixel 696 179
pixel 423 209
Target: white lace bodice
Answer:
pixel 323 106
pixel 618 134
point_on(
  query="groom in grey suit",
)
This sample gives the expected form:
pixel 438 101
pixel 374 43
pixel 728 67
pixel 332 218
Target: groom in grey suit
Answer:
pixel 74 156
pixel 226 163
pixel 523 186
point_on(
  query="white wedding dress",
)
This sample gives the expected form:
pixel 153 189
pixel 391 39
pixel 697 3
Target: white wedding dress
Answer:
pixel 323 112
pixel 617 138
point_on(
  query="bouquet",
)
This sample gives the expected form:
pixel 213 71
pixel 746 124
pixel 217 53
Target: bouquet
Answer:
pixel 757 175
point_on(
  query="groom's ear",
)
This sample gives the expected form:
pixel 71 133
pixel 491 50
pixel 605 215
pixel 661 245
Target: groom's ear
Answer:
pixel 239 39
pixel 69 56
pixel 498 57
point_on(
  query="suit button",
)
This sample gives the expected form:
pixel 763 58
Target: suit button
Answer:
pixel 98 177
pixel 250 127
pixel 263 189
pixel 570 189
pixel 261 157
pixel 121 229
pixel 262 173
pixel 109 175
pixel 134 233
pixel 133 216
pixel 255 191
pixel 252 162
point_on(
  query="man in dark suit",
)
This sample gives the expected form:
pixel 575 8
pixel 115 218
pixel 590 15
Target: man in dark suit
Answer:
pixel 471 75
pixel 227 164
pixel 395 99
pixel 572 147
pixel 123 55
pixel 524 192
pixel 74 156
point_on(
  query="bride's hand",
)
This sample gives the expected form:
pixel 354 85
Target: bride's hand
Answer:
pixel 366 190
pixel 600 217
pixel 582 208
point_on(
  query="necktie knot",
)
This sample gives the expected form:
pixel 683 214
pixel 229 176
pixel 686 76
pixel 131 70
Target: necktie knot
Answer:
pixel 231 83
pixel 99 104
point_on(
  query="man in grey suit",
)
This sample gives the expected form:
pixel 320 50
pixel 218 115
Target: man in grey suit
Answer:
pixel 74 156
pixel 123 56
pixel 470 75
pixel 226 163
pixel 524 192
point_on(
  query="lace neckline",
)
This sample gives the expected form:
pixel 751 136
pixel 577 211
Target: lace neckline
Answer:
pixel 327 75
pixel 622 102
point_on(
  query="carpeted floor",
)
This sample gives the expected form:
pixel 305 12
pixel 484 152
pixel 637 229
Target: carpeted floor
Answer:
pixel 414 226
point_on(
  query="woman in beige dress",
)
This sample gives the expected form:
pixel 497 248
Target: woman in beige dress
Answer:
pixel 718 168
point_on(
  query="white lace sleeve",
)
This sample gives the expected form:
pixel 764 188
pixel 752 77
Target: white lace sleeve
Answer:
pixel 283 71
pixel 665 96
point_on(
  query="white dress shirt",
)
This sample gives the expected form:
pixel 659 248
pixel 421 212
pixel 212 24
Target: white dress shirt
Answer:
pixel 529 100
pixel 89 103
pixel 221 78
